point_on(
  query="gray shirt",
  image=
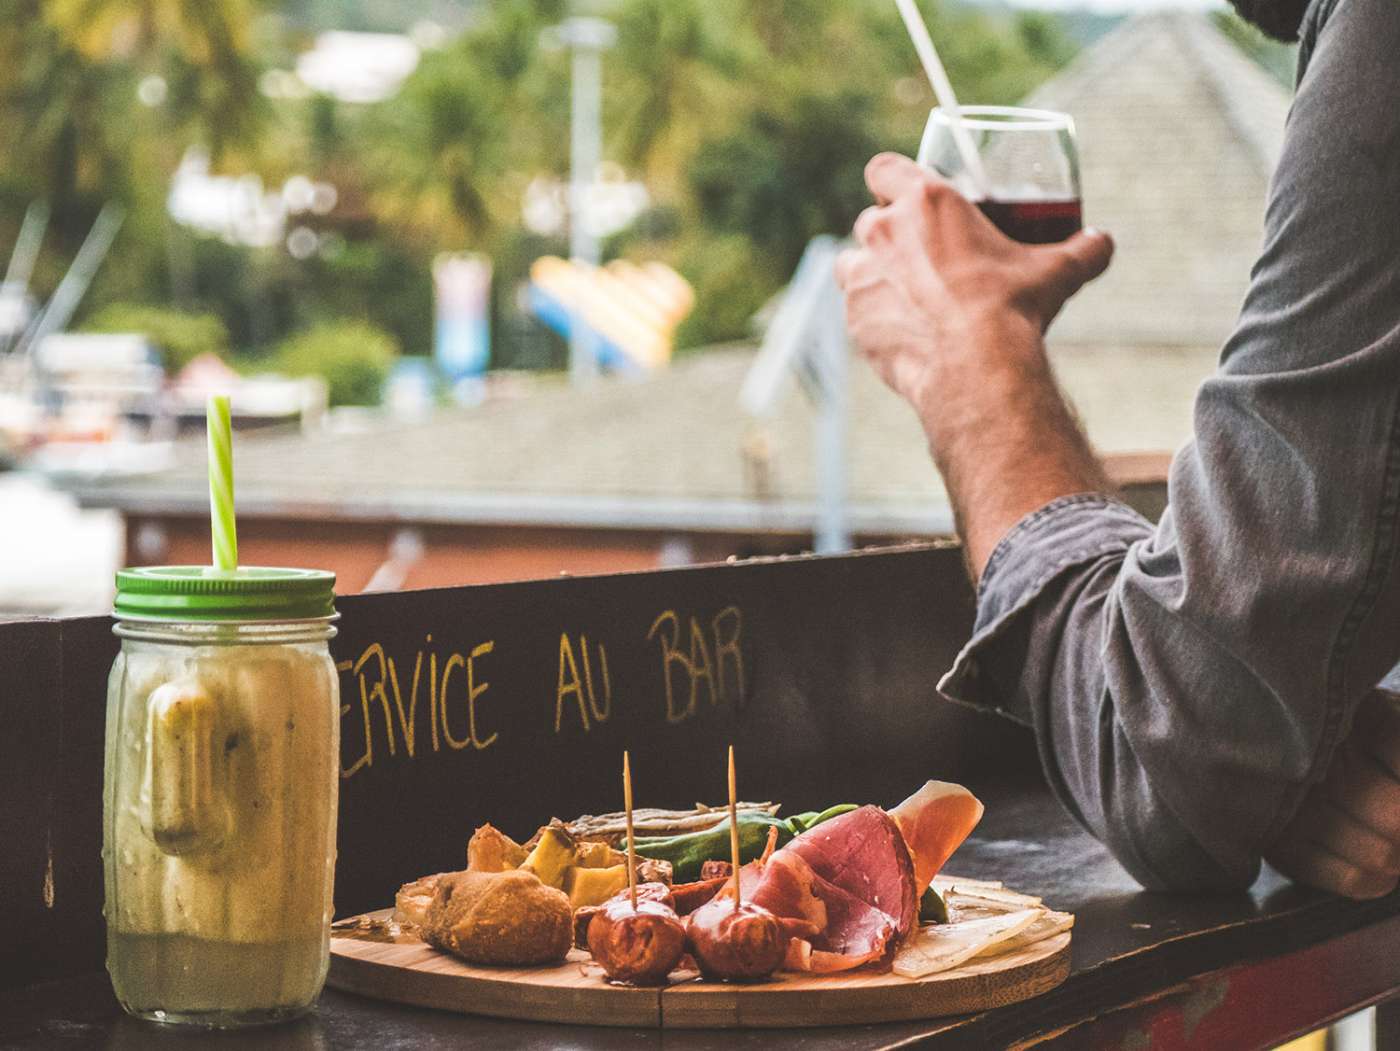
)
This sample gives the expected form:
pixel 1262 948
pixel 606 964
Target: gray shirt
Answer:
pixel 1189 682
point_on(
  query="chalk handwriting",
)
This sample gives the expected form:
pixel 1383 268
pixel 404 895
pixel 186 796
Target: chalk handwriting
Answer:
pixel 711 654
pixel 583 690
pixel 376 676
pixel 386 706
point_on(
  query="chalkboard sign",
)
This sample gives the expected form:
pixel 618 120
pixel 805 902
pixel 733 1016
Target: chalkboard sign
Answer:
pixel 513 703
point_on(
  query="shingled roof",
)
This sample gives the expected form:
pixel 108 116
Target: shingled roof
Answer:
pixel 1179 132
pixel 670 452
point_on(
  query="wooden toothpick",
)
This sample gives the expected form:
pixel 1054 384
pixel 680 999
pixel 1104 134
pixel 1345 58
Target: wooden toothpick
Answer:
pixel 631 840
pixel 734 826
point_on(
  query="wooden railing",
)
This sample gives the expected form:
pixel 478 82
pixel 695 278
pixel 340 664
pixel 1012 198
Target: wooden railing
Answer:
pixel 512 703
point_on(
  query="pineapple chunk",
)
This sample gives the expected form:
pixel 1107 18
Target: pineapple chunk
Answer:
pixel 552 857
pixel 599 856
pixel 491 850
pixel 593 886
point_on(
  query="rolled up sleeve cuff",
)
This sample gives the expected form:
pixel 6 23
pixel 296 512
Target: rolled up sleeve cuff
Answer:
pixel 1066 533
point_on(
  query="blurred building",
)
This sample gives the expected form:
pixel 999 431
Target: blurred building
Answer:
pixel 1179 131
pixel 622 475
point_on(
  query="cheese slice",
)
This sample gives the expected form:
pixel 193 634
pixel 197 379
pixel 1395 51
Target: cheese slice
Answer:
pixel 989 898
pixel 941 947
pixel 1047 925
pixel 943 882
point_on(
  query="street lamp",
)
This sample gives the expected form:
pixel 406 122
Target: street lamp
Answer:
pixel 587 38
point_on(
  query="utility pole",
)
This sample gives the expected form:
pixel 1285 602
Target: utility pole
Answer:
pixel 587 39
pixel 807 339
pixel 833 353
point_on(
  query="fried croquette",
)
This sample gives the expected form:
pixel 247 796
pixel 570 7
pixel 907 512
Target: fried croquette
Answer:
pixel 504 918
pixel 412 901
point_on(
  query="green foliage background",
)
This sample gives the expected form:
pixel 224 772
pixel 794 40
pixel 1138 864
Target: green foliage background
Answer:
pixel 353 356
pixel 750 122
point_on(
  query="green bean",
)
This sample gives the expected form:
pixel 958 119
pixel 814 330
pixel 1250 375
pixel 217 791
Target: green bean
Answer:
pixel 688 853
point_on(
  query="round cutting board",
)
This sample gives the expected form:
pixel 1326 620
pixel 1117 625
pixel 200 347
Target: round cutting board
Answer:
pixel 372 961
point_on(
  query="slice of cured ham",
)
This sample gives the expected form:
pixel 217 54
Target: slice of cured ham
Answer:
pixel 785 888
pixel 934 821
pixel 832 930
pixel 863 853
pixel 847 891
pixel 853 927
pixel 844 890
pixel 802 957
pixel 690 896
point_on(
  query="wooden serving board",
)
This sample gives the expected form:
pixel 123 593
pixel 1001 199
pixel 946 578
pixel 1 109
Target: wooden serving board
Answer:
pixel 403 969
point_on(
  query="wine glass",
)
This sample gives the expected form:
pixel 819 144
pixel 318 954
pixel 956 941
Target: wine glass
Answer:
pixel 1031 162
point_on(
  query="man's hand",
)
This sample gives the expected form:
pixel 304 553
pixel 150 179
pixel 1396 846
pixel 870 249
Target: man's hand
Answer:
pixel 952 314
pixel 1346 836
pixel 933 281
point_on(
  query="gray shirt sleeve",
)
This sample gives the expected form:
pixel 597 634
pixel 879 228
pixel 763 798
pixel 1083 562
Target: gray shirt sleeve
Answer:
pixel 1188 682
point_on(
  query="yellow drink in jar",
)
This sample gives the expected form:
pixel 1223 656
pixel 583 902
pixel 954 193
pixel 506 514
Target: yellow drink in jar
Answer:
pixel 222 772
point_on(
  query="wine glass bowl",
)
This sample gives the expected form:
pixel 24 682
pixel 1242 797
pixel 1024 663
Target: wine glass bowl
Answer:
pixel 1030 160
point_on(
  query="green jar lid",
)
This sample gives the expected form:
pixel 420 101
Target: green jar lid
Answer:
pixel 201 593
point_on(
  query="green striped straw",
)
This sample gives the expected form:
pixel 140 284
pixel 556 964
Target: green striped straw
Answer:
pixel 224 528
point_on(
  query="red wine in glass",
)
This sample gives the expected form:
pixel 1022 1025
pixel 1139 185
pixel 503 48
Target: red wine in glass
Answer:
pixel 1037 222
pixel 1029 183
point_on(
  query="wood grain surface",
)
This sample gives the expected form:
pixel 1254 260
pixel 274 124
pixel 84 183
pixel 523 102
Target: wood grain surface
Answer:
pixel 402 969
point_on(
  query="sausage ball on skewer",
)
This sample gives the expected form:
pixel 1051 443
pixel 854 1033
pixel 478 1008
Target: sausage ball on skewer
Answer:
pixel 741 945
pixel 641 946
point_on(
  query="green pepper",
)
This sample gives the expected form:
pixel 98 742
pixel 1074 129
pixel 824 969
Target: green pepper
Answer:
pixel 687 853
pixel 812 820
pixel 932 908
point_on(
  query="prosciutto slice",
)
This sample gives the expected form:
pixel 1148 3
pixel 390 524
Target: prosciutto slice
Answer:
pixel 802 957
pixel 853 927
pixel 690 896
pixel 933 822
pixel 831 929
pixel 785 888
pixel 863 853
pixel 847 891
pixel 842 890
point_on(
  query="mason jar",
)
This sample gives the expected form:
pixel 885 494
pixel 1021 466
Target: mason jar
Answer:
pixel 220 791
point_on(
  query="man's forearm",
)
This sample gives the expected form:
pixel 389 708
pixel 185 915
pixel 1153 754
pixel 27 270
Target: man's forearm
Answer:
pixel 1004 439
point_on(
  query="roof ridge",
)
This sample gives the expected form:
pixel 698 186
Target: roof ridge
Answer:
pixel 1231 76
pixel 1115 46
pixel 1235 81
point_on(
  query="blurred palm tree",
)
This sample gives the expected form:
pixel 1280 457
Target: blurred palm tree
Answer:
pixel 784 28
pixel 99 100
pixel 455 147
pixel 676 69
pixel 441 149
pixel 64 137
pixel 201 50
pixel 749 121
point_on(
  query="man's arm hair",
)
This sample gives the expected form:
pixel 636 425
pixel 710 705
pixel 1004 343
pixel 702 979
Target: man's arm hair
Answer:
pixel 1006 441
